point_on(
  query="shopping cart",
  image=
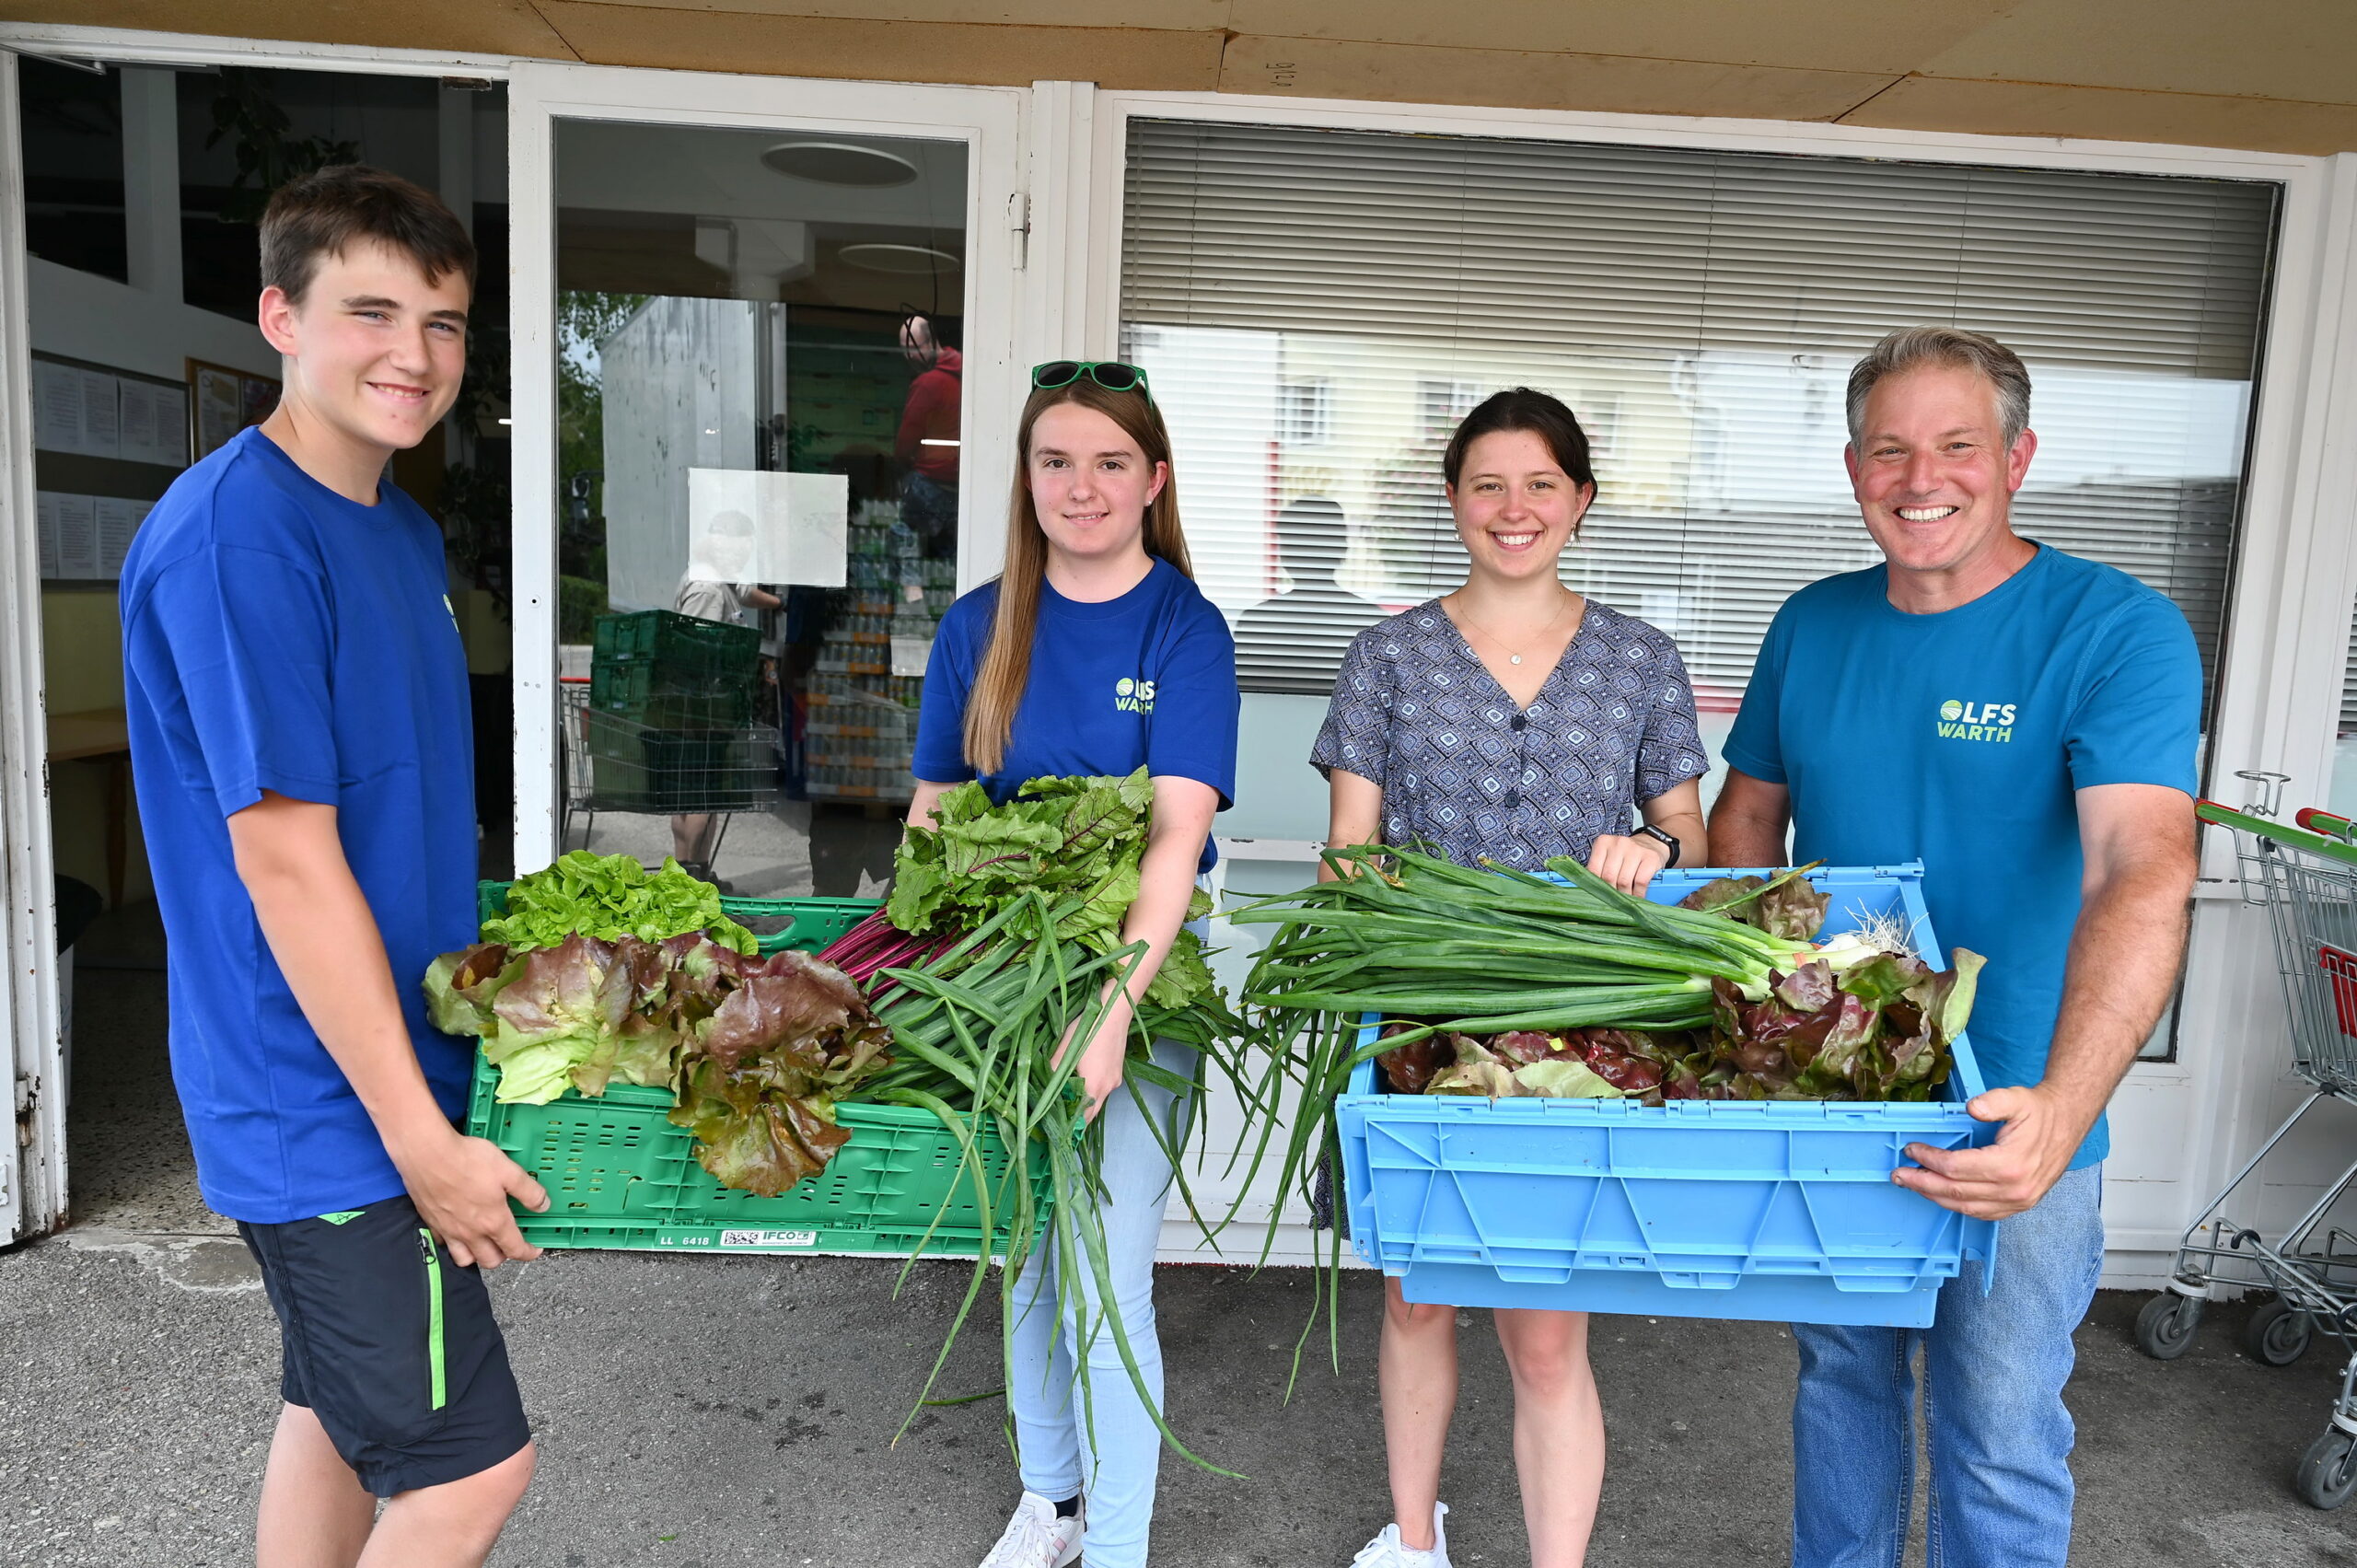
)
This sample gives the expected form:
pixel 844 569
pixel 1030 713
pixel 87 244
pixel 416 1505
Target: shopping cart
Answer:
pixel 614 762
pixel 2306 877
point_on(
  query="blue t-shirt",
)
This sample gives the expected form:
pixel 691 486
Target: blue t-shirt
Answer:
pixel 1959 740
pixel 277 636
pixel 1146 679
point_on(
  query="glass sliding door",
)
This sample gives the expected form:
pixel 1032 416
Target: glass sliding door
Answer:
pixel 764 339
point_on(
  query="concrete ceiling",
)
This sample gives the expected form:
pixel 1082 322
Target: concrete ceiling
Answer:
pixel 2268 75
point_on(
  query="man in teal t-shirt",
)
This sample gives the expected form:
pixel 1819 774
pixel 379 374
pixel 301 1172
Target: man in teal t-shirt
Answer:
pixel 2024 722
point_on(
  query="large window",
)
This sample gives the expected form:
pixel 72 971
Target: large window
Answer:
pixel 1700 311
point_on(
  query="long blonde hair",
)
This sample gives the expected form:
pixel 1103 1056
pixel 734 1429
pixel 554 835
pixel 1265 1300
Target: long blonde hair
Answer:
pixel 1005 668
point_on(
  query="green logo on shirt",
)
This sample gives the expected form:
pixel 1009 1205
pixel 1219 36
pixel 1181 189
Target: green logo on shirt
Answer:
pixel 1976 721
pixel 1133 696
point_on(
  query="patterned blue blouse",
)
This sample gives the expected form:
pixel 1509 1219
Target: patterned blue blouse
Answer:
pixel 1463 769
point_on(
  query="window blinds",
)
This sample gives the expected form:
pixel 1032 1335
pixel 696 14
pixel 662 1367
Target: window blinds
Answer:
pixel 1317 308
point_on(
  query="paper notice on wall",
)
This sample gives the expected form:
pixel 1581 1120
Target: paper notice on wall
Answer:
pixel 45 514
pixel 77 536
pixel 171 427
pixel 219 411
pixel 117 520
pixel 154 424
pixel 754 526
pixel 57 407
pixel 911 655
pixel 101 414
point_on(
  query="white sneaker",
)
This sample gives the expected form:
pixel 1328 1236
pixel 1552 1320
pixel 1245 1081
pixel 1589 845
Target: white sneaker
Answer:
pixel 1386 1550
pixel 1035 1538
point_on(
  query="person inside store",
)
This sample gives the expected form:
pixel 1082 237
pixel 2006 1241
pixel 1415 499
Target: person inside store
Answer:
pixel 1510 720
pixel 2034 719
pixel 710 590
pixel 1094 653
pixel 296 694
pixel 1295 642
pixel 926 445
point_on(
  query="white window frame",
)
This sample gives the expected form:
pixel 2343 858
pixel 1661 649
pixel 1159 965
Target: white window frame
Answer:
pixel 2295 566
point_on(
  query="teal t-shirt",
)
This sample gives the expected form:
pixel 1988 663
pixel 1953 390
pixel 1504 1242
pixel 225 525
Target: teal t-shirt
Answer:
pixel 1959 739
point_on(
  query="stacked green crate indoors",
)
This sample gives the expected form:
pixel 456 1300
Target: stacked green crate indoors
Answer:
pixel 669 722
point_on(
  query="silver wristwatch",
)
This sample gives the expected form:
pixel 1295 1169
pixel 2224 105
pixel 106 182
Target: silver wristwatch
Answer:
pixel 1666 841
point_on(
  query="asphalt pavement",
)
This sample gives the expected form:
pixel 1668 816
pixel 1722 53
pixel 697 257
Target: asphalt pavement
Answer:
pixel 718 1411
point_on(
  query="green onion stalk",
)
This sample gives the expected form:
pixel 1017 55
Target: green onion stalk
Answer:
pixel 978 1031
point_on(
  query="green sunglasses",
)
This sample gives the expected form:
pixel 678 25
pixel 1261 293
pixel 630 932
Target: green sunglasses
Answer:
pixel 1111 374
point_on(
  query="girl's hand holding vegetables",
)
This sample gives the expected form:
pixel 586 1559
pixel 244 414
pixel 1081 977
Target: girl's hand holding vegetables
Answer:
pixel 1627 863
pixel 1099 1068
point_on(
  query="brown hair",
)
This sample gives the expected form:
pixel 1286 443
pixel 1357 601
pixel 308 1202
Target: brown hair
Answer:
pixel 1005 669
pixel 1523 408
pixel 327 211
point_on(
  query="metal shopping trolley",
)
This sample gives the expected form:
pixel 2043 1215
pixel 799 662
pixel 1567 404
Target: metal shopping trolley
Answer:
pixel 2306 877
pixel 614 762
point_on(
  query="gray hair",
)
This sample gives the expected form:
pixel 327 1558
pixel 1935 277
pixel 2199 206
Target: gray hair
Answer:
pixel 1945 348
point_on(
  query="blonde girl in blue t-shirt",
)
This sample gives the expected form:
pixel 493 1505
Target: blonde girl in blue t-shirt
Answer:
pixel 1093 653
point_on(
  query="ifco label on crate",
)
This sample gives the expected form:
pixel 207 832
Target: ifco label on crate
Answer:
pixel 768 1239
pixel 740 1238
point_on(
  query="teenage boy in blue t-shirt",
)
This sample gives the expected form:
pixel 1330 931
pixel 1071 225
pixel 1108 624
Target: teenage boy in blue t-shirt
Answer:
pixel 2024 722
pixel 298 702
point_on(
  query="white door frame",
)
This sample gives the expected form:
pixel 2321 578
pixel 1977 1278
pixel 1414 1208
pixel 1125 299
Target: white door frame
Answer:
pixel 989 120
pixel 32 1163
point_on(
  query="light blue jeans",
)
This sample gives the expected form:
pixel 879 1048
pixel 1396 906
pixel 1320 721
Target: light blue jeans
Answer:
pixel 1109 1450
pixel 2000 1435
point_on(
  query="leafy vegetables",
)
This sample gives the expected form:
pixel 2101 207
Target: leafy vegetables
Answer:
pixel 1786 906
pixel 1076 842
pixel 1521 1063
pixel 758 1077
pixel 757 1049
pixel 609 897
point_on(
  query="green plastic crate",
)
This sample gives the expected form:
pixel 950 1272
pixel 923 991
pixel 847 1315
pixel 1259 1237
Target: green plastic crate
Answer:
pixel 635 766
pixel 809 925
pixel 621 1175
pixel 681 644
pixel 644 691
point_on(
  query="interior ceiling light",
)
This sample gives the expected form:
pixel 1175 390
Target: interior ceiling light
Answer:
pixel 839 163
pixel 879 257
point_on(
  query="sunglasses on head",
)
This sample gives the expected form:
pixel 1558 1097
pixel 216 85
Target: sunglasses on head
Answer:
pixel 1111 374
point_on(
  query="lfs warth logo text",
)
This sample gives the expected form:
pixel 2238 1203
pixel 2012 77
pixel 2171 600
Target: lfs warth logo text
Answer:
pixel 1133 696
pixel 1976 721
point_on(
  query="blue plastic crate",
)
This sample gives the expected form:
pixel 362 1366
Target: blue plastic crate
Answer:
pixel 1782 1211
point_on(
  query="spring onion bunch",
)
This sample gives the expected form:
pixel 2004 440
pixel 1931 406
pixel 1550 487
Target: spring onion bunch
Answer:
pixel 979 1023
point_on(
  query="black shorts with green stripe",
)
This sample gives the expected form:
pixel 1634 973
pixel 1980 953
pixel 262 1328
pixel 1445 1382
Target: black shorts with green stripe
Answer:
pixel 391 1345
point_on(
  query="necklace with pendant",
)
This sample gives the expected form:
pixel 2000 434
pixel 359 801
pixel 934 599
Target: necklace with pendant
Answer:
pixel 1511 656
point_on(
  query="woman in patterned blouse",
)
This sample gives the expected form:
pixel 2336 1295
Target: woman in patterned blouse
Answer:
pixel 1516 720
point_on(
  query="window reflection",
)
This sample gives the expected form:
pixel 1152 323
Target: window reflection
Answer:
pixel 1721 485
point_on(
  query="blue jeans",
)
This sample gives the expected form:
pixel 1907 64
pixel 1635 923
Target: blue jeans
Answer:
pixel 1111 1450
pixel 2000 1436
